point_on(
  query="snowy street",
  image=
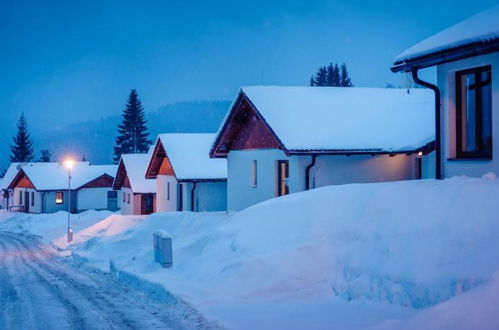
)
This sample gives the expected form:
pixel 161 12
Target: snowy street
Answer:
pixel 39 290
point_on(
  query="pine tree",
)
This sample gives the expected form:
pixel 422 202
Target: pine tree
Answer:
pixel 132 132
pixel 345 80
pixel 331 75
pixel 45 156
pixel 22 149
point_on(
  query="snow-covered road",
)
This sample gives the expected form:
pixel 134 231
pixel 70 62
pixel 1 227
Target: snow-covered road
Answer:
pixel 39 290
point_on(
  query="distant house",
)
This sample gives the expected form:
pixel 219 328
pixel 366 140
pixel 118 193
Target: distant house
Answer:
pixel 466 57
pixel 186 177
pixel 43 188
pixel 279 140
pixel 137 193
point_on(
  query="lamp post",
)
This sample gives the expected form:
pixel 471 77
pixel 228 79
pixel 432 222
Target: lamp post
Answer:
pixel 69 163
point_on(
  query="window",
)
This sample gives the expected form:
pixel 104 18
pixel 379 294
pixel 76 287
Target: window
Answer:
pixel 32 198
pixel 254 173
pixel 128 198
pixel 474 113
pixel 168 190
pixel 124 197
pixel 59 197
pixel 20 197
pixel 282 177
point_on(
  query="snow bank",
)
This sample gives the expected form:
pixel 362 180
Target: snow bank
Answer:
pixel 50 226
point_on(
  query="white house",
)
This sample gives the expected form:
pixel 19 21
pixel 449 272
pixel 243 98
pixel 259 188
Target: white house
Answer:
pixel 279 140
pixel 466 57
pixel 43 188
pixel 186 177
pixel 137 194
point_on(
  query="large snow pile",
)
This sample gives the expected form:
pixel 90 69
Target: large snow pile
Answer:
pixel 408 245
pixel 49 226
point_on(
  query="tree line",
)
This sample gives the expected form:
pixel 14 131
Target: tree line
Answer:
pixel 133 134
pixel 132 137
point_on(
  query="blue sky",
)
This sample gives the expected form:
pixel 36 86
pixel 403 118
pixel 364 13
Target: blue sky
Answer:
pixel 64 61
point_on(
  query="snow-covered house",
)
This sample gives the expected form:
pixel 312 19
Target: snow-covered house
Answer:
pixel 43 187
pixel 137 194
pixel 186 177
pixel 466 57
pixel 279 140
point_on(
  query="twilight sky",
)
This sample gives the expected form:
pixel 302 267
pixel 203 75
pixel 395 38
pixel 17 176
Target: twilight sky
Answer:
pixel 65 61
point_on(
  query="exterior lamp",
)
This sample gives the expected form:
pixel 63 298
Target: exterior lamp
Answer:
pixel 69 164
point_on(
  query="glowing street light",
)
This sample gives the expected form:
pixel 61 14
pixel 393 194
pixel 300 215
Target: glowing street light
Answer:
pixel 69 164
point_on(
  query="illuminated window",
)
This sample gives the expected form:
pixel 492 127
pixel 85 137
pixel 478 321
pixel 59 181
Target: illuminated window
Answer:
pixel 59 197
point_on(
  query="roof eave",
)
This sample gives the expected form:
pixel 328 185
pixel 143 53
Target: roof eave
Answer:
pixel 446 56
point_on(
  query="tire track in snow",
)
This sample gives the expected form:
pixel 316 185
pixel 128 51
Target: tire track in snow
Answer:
pixel 90 299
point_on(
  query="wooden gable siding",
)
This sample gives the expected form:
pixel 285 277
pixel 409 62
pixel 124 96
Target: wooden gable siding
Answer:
pixel 245 130
pixel 166 167
pixel 21 180
pixel 121 176
pixel 24 183
pixel 104 181
pixel 159 164
pixel 126 183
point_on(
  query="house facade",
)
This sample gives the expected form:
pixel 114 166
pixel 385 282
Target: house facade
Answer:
pixel 43 188
pixel 187 179
pixel 281 140
pixel 466 57
pixel 137 194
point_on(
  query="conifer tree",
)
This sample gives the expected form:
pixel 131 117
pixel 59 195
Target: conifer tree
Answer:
pixel 132 132
pixel 331 75
pixel 345 80
pixel 45 156
pixel 22 149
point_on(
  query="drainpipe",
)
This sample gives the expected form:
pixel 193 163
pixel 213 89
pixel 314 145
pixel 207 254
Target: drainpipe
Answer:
pixel 438 144
pixel 192 195
pixel 307 172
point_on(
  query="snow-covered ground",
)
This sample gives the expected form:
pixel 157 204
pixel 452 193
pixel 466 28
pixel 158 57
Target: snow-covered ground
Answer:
pixel 410 254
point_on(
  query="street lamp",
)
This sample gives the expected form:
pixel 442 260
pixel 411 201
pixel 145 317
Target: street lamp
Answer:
pixel 69 163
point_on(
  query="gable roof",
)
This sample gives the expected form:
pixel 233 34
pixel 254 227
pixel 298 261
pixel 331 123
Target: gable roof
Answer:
pixel 188 154
pixel 340 119
pixel 54 176
pixel 14 168
pixel 476 35
pixel 134 166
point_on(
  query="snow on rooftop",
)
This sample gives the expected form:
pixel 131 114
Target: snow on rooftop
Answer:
pixel 54 176
pixel 189 156
pixel 15 167
pixel 346 118
pixel 480 28
pixel 135 166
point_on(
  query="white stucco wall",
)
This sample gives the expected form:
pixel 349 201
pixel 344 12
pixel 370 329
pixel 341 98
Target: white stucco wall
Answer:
pixel 208 196
pixel 328 170
pixel 447 85
pixel 92 199
pixel 127 208
pixel 163 203
pixel 35 207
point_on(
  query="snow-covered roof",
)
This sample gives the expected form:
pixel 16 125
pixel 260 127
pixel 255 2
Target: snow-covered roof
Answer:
pixel 189 155
pixel 346 118
pixel 482 28
pixel 54 176
pixel 135 166
pixel 14 168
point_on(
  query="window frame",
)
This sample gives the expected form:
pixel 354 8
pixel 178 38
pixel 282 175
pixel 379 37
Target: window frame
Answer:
pixel 32 198
pixel 128 198
pixel 481 154
pixel 61 199
pixel 280 191
pixel 168 190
